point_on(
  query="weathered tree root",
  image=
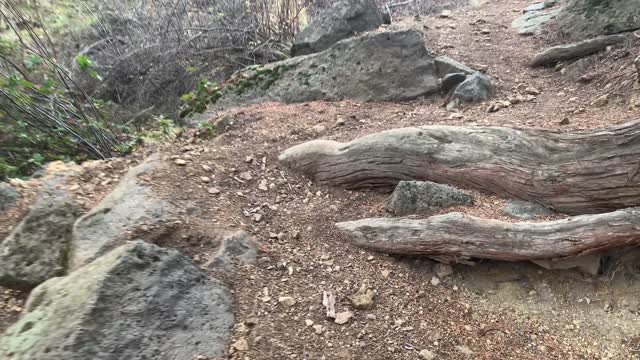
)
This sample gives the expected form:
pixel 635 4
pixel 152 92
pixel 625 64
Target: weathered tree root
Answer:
pixel 462 237
pixel 575 173
pixel 576 50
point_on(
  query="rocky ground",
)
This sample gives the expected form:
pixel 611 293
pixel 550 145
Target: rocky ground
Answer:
pixel 415 308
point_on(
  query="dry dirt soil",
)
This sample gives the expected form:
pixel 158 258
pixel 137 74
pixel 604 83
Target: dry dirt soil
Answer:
pixel 488 311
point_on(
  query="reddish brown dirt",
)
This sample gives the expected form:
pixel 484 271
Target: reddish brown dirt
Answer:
pixel 303 254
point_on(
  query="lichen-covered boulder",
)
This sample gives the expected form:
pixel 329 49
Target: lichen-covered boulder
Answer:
pixel 385 66
pixel 582 19
pixel 129 205
pixel 533 22
pixel 138 301
pixel 343 19
pixel 38 248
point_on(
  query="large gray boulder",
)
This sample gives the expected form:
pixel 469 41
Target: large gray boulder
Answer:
pixel 138 301
pixel 344 19
pixel 582 19
pixel 385 66
pixel 8 196
pixel 130 205
pixel 412 197
pixel 38 248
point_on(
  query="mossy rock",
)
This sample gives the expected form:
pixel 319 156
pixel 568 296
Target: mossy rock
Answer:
pixel 582 19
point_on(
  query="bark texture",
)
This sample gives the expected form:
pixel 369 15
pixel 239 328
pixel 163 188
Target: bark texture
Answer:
pixel 575 173
pixel 576 50
pixel 461 237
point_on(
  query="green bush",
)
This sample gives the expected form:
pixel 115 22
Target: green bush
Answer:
pixel 44 114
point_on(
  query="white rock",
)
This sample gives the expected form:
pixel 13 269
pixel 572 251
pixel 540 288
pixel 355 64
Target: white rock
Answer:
pixel 343 317
pixel 464 350
pixel 241 345
pixel 427 355
pixel 263 185
pixel 287 301
pixel 443 270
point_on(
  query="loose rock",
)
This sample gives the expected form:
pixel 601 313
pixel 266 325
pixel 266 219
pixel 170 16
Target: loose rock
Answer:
pixel 411 197
pixel 343 317
pixel 427 355
pixel 465 350
pixel 532 91
pixel 476 88
pixel 524 210
pixel 588 264
pixel 601 101
pixel 443 270
pixel 451 81
pixel 241 345
pixel 363 299
pixel 235 248
pixel 287 301
pixel 246 176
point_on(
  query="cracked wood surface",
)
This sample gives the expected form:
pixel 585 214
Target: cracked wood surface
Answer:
pixel 460 237
pixel 575 173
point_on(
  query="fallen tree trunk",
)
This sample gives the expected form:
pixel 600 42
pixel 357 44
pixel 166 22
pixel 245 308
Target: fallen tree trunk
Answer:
pixel 576 50
pixel 575 173
pixel 461 237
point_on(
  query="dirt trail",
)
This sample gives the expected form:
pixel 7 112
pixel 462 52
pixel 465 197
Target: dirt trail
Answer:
pixel 489 311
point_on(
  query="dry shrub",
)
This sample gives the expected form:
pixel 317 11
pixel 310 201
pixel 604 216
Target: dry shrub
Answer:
pixel 150 52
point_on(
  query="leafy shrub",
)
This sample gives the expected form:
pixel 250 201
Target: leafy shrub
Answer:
pixel 44 115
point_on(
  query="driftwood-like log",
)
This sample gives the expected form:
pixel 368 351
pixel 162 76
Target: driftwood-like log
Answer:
pixel 576 50
pixel 462 237
pixel 575 173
